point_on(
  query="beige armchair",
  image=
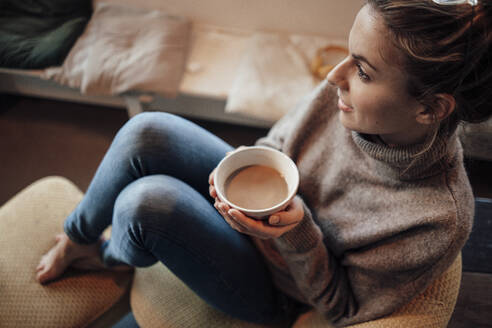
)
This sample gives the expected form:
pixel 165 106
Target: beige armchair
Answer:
pixel 28 223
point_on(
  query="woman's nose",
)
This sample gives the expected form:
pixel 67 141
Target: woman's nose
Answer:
pixel 337 75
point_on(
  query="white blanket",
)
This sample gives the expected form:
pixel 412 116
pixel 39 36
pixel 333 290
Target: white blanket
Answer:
pixel 125 48
pixel 274 74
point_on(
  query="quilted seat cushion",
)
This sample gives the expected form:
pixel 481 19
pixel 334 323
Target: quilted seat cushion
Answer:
pixel 28 224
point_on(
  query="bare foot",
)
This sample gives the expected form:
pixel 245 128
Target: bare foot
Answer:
pixel 65 253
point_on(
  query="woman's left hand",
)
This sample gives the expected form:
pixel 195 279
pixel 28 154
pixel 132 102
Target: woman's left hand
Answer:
pixel 277 224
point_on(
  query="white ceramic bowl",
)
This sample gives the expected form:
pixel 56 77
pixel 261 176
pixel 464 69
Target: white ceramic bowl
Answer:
pixel 257 155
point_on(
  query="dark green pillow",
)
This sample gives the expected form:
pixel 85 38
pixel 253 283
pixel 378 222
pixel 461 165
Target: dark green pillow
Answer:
pixel 39 34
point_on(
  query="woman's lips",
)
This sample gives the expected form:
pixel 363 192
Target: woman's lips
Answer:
pixel 343 107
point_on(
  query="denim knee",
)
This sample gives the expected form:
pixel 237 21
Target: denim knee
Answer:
pixel 141 210
pixel 147 135
pixel 144 126
pixel 145 204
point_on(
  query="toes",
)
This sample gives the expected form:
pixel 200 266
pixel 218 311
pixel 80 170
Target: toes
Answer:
pixel 42 263
pixel 61 255
pixel 42 276
pixel 46 275
pixel 58 237
pixel 42 270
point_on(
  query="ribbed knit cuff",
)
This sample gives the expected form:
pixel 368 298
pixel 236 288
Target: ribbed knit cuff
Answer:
pixel 305 236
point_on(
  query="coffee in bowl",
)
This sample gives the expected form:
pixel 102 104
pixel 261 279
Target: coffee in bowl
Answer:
pixel 257 181
pixel 256 187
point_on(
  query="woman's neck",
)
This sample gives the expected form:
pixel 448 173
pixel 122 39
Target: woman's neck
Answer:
pixel 414 137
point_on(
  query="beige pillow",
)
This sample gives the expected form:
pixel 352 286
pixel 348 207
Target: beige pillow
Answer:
pixel 274 74
pixel 28 224
pixel 125 48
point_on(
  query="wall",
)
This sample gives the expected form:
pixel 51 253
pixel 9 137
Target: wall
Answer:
pixel 331 18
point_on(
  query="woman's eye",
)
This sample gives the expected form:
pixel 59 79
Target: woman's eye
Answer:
pixel 362 75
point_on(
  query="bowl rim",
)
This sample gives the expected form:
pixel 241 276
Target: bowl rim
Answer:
pixel 280 205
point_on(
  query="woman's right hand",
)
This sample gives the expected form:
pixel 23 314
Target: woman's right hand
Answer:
pixel 211 187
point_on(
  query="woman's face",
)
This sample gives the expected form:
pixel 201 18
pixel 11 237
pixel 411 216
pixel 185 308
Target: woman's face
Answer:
pixel 372 89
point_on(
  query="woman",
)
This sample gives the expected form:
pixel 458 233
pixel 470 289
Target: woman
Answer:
pixel 384 203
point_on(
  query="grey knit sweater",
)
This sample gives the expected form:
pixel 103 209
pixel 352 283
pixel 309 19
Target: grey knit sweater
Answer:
pixel 375 232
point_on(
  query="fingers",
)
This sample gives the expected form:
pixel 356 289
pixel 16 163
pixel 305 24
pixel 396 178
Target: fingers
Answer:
pixel 248 225
pixel 223 209
pixel 292 214
pixel 259 228
pixel 227 213
pixel 212 192
pixel 40 266
pixel 211 188
pixel 234 225
pixel 277 225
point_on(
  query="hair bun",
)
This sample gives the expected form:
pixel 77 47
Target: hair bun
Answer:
pixel 476 87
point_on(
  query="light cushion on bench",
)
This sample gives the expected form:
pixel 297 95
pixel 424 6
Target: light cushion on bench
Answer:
pixel 28 225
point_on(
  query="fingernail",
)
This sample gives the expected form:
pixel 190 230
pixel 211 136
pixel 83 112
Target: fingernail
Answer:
pixel 274 219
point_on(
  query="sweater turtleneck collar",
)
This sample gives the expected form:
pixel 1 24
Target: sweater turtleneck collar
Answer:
pixel 403 163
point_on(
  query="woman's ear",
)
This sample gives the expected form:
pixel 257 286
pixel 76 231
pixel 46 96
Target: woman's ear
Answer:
pixel 436 109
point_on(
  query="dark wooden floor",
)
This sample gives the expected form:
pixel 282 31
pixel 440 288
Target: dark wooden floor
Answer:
pixel 40 137
pixel 44 137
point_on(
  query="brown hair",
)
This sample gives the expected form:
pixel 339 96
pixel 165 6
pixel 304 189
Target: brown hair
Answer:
pixel 447 49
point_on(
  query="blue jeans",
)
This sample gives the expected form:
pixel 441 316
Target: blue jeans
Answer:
pixel 152 187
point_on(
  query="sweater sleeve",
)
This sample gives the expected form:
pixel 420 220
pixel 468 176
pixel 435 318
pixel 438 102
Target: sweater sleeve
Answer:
pixel 370 281
pixel 316 271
